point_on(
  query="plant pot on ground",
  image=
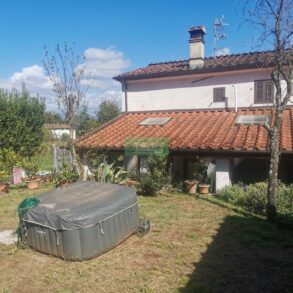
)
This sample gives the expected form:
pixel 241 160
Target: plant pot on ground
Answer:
pixel 33 184
pixel 31 168
pixel 204 187
pixel 4 179
pixel 190 186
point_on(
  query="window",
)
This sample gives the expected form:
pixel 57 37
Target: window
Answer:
pixel 263 91
pixel 143 165
pixel 155 121
pixel 219 94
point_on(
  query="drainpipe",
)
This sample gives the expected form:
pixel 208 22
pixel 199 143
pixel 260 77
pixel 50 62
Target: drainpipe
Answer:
pixel 124 85
pixel 236 97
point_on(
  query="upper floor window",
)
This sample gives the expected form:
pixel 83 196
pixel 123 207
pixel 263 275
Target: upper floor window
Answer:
pixel 263 91
pixel 219 94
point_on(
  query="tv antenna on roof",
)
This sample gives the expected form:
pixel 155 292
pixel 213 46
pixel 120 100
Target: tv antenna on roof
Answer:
pixel 219 31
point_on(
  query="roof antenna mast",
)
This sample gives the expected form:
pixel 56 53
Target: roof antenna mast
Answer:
pixel 219 32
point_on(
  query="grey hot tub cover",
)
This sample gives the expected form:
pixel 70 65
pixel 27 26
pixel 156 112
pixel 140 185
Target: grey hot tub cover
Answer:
pixel 81 204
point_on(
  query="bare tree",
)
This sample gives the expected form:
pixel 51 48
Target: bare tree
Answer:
pixel 65 71
pixel 274 21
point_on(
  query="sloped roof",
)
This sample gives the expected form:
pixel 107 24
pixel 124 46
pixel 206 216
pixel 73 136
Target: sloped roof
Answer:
pixel 211 64
pixel 192 130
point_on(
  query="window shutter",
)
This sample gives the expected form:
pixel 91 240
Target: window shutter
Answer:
pixel 263 91
pixel 219 94
pixel 269 91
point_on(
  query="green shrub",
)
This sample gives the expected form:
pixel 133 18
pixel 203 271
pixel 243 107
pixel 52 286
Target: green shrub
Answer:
pixel 8 160
pixel 285 199
pixel 21 122
pixel 66 175
pixel 110 174
pixel 148 185
pixel 253 197
pixel 31 166
pixel 158 175
pixel 4 176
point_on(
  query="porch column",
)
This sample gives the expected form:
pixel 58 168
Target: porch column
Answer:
pixel 222 173
pixel 131 163
pixel 177 168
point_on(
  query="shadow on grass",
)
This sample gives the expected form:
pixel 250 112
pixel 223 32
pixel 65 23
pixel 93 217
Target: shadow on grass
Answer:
pixel 246 255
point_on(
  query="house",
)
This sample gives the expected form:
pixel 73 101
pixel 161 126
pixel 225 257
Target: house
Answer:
pixel 59 130
pixel 194 104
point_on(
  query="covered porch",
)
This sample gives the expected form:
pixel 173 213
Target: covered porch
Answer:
pixel 237 153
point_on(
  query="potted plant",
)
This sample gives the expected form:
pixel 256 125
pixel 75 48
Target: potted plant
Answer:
pixel 204 187
pixel 64 177
pixel 4 179
pixel 190 186
pixel 33 182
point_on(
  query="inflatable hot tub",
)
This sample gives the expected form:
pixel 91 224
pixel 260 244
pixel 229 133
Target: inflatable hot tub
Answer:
pixel 81 221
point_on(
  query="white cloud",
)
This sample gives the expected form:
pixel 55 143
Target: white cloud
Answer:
pixel 223 51
pixel 34 78
pixel 93 99
pixel 100 66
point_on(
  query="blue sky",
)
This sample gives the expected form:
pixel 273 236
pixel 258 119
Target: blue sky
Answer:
pixel 134 33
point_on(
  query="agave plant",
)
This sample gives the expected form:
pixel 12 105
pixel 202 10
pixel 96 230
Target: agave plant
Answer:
pixel 107 173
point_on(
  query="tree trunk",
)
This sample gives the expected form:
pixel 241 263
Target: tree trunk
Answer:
pixel 274 168
pixel 72 130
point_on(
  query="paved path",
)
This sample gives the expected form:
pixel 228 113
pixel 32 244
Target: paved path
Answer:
pixel 8 237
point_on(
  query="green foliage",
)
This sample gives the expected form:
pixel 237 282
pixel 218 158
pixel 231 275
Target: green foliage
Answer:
pixel 202 170
pixel 31 166
pixel 149 186
pixel 109 174
pixel 157 177
pixel 4 176
pixel 44 156
pixel 108 110
pixel 8 159
pixel 285 199
pixel 66 175
pixel 85 122
pixel 53 118
pixel 21 122
pixel 253 197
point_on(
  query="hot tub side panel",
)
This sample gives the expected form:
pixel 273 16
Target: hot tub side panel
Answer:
pixel 86 242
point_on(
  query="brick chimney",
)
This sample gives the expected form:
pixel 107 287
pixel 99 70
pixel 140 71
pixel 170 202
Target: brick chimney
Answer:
pixel 196 46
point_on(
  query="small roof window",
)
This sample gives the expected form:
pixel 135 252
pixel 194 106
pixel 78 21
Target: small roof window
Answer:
pixel 252 119
pixel 155 121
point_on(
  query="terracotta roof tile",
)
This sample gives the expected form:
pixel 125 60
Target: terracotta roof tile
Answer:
pixel 192 130
pixel 211 64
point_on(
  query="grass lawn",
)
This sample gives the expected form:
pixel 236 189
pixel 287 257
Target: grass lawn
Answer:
pixel 194 246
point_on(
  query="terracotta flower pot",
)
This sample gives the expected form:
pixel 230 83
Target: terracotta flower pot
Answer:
pixel 204 188
pixel 190 186
pixel 4 187
pixel 33 184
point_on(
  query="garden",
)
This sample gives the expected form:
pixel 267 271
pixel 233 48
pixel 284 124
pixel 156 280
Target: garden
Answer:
pixel 197 243
pixel 194 245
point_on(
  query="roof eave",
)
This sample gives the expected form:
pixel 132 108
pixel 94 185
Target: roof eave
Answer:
pixel 126 77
